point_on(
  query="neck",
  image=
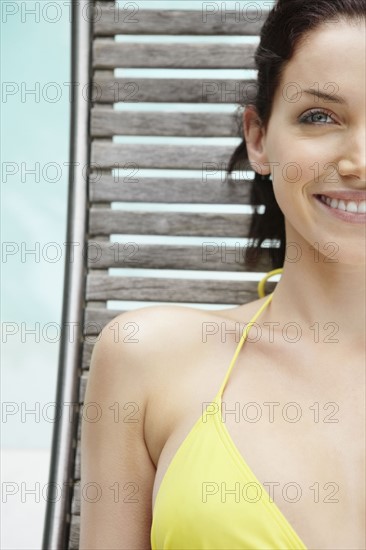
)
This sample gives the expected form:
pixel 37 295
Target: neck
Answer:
pixel 328 296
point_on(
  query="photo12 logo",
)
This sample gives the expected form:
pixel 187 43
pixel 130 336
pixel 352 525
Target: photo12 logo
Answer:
pixel 240 12
pixel 30 11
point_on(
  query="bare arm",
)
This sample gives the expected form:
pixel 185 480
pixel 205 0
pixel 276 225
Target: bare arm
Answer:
pixel 115 462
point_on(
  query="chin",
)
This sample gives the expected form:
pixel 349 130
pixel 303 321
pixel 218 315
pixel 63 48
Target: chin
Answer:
pixel 354 257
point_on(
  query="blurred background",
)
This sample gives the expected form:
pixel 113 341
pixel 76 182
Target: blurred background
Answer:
pixel 35 114
pixel 34 135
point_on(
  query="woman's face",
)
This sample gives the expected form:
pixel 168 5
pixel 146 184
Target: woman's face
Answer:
pixel 315 145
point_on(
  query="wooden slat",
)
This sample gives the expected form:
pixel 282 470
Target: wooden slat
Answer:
pixel 204 190
pixel 173 90
pixel 77 465
pixel 216 21
pixel 74 535
pixel 88 346
pixel 75 509
pixel 208 291
pixel 82 387
pixel 164 123
pixel 212 255
pixel 140 222
pixel 110 55
pixel 79 430
pixel 185 157
pixel 95 320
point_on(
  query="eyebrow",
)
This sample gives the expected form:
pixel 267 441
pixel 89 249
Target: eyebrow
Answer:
pixel 326 97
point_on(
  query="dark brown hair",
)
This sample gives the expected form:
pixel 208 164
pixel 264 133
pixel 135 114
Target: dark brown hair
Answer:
pixel 287 24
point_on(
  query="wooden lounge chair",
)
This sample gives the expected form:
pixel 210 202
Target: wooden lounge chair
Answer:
pixel 94 186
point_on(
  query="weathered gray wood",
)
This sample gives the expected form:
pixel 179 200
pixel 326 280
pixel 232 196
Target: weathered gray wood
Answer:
pixel 173 90
pixel 75 505
pixel 82 387
pixel 74 536
pixel 110 55
pixel 141 156
pixel 88 346
pixel 107 222
pixel 216 21
pixel 77 471
pixel 212 255
pixel 79 430
pixel 164 123
pixel 95 320
pixel 210 291
pixel 135 188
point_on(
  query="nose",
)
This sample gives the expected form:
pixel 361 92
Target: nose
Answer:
pixel 353 160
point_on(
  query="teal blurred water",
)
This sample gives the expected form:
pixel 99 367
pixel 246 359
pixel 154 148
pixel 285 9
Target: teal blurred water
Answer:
pixel 35 136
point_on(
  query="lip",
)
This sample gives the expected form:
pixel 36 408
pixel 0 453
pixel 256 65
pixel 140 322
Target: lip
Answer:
pixel 350 217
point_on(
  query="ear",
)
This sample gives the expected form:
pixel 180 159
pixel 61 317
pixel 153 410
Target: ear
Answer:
pixel 255 140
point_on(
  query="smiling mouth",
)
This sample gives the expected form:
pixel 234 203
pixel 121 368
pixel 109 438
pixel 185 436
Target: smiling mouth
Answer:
pixel 349 206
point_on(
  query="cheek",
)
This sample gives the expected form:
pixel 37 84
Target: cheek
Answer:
pixel 306 161
pixel 295 170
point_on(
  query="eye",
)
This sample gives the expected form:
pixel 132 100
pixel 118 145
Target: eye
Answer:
pixel 315 115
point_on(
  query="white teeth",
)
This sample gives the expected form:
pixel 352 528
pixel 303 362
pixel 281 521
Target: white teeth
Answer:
pixel 346 206
pixel 352 207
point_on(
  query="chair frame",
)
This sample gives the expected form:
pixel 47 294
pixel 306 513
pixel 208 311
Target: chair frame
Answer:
pixel 57 517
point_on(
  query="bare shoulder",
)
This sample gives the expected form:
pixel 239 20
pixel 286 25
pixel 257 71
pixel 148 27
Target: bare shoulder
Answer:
pixel 166 355
pixel 137 345
pixel 157 345
pixel 149 332
pixel 152 336
pixel 161 344
pixel 150 370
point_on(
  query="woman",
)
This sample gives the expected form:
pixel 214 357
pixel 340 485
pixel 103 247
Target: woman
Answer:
pixel 193 453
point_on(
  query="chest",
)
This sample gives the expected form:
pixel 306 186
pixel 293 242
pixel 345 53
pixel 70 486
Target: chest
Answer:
pixel 303 436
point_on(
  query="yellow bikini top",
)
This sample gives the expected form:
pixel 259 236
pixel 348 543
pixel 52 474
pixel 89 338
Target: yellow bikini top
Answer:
pixel 192 511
